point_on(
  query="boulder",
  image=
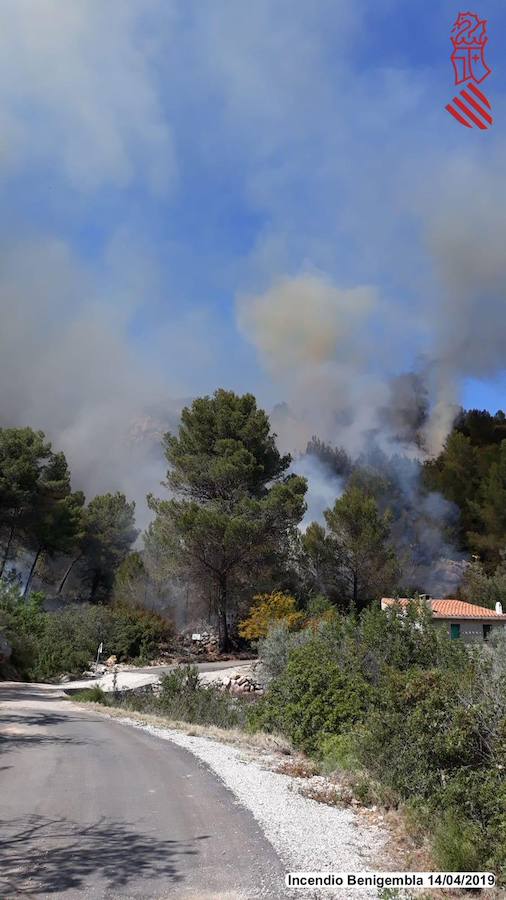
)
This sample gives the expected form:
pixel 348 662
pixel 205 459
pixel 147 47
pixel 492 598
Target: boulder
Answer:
pixel 94 670
pixel 112 661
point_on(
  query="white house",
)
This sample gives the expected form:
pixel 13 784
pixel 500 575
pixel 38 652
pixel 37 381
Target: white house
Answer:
pixel 460 620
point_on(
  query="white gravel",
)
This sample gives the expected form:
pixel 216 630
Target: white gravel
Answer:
pixel 308 836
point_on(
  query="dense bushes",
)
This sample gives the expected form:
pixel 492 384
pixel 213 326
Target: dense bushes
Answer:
pixel 275 648
pixel 391 696
pixel 22 624
pixel 312 698
pixel 183 699
pixel 94 694
pixel 46 644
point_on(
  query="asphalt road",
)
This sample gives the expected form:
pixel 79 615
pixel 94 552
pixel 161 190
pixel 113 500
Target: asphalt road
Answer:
pixel 90 808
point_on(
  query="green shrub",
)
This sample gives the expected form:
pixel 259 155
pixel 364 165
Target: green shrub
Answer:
pixel 339 752
pixel 141 701
pixel 456 844
pixel 382 640
pixel 46 644
pixel 136 633
pixel 312 699
pixel 432 739
pixel 93 694
pixel 318 606
pixel 275 648
pixel 183 698
pixel 363 790
pixel 478 798
pixel 22 622
pixel 419 732
pixel 414 717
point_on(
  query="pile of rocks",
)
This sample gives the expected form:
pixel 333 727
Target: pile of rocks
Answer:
pixel 206 644
pixel 243 684
pixel 236 681
pixel 201 640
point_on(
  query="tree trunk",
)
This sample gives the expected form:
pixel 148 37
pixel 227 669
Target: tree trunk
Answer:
pixel 7 551
pixel 67 573
pixel 95 585
pixel 32 572
pixel 223 638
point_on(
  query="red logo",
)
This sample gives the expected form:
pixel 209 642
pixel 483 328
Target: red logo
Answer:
pixel 469 39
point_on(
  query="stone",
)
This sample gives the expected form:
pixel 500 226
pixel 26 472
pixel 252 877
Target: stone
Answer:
pixel 112 661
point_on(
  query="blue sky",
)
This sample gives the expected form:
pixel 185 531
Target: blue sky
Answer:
pixel 201 183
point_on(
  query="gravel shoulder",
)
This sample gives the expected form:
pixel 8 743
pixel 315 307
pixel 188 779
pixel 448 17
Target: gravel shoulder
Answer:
pixel 306 834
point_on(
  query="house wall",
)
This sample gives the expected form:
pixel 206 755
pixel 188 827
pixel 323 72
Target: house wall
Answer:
pixel 470 630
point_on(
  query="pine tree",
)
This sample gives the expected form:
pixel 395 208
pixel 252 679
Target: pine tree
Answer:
pixel 234 503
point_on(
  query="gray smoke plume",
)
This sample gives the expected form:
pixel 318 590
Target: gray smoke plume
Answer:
pixel 464 234
pixel 333 354
pixel 66 368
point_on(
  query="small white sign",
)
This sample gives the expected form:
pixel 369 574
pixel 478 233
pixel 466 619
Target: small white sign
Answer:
pixel 196 637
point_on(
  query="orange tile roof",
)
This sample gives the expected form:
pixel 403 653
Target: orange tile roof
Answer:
pixel 451 609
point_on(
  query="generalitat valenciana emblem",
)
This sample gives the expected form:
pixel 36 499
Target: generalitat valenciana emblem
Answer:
pixel 469 39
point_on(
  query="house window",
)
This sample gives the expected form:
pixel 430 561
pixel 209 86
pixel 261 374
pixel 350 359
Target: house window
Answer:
pixel 454 631
pixel 486 631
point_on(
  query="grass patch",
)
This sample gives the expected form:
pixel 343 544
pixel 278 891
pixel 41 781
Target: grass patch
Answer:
pixel 94 694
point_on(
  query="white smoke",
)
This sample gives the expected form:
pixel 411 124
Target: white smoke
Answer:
pixel 330 351
pixel 464 232
pixel 67 368
pixel 324 487
pixel 317 342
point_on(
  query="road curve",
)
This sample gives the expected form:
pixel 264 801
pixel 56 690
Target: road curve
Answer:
pixel 90 808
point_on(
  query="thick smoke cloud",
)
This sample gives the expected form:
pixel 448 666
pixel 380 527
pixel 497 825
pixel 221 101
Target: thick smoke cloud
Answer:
pixel 67 368
pixel 465 237
pixel 77 93
pixel 332 352
pixel 376 239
